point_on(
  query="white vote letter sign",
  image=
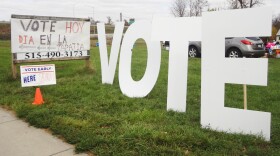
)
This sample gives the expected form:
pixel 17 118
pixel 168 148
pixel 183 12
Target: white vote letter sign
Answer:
pixel 141 88
pixel 108 69
pixel 179 31
pixel 218 70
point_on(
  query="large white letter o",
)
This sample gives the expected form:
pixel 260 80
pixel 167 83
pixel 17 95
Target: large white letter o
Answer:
pixel 143 87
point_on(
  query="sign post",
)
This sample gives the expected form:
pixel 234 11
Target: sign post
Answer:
pixel 245 96
pixel 14 68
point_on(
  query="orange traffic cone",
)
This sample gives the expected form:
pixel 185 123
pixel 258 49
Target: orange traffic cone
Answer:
pixel 38 100
pixel 277 53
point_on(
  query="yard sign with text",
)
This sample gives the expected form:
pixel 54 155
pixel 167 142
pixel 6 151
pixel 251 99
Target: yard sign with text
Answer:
pixel 38 38
pixel 37 75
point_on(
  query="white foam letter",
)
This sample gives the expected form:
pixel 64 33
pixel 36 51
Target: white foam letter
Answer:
pixel 179 31
pixel 141 88
pixel 218 70
pixel 108 69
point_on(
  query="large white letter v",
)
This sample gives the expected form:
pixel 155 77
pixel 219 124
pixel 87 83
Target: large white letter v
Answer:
pixel 108 69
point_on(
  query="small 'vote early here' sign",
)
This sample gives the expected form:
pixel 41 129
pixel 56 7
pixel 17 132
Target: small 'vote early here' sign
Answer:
pixel 37 75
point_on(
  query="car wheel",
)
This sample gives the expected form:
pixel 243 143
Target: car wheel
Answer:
pixel 193 51
pixel 234 53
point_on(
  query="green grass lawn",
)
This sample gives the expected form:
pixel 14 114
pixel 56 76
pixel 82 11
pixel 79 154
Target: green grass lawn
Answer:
pixel 99 119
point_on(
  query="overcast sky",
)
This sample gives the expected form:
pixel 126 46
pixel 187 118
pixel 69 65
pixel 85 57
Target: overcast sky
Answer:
pixel 100 9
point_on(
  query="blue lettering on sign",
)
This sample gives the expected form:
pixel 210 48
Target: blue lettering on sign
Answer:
pixel 29 78
pixel 44 68
pixel 30 69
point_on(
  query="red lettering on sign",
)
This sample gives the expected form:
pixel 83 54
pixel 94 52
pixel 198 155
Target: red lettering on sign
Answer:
pixel 31 40
pixel 69 27
pixel 74 27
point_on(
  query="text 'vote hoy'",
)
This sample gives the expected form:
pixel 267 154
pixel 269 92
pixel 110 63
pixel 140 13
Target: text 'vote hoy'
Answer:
pixel 50 26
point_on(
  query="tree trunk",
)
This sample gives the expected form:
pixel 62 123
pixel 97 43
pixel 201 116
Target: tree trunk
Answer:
pixel 241 4
pixel 251 3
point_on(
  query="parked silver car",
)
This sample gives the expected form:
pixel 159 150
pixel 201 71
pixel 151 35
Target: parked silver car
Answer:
pixel 235 47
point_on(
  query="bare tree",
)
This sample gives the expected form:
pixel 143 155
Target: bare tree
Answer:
pixel 109 21
pixel 197 6
pixel 276 21
pixel 126 23
pixel 233 4
pixel 254 3
pixel 240 4
pixel 179 8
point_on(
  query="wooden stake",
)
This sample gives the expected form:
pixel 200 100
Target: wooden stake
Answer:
pixel 87 63
pixel 14 68
pixel 245 96
pixel 88 60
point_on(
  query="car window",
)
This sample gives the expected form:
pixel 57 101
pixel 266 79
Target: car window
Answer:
pixel 253 38
pixel 166 43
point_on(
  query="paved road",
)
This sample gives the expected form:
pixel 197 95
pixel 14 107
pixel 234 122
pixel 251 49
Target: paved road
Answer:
pixel 17 138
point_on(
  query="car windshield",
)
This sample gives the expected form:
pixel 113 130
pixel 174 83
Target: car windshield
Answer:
pixel 253 38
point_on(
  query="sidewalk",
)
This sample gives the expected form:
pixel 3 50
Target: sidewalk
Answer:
pixel 17 138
